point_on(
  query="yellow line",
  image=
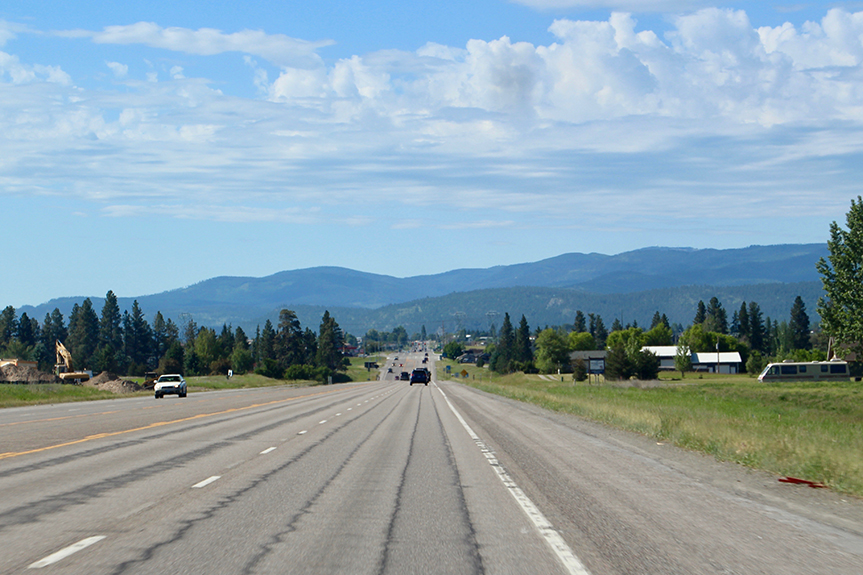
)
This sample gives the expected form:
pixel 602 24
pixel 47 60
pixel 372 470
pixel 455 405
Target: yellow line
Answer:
pixel 10 454
pixel 57 418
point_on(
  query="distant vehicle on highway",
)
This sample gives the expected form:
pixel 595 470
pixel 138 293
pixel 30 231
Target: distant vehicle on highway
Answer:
pixel 405 376
pixel 809 370
pixel 170 384
pixel 419 376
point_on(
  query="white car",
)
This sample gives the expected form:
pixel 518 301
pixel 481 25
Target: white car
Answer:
pixel 170 384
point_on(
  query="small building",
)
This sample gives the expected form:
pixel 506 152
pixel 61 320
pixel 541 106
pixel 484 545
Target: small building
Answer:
pixel 707 361
pixel 716 362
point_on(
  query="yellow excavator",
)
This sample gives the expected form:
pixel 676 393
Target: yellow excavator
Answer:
pixel 64 369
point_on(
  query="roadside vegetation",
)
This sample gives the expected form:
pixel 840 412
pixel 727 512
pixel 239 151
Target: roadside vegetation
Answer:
pixel 810 430
pixel 15 395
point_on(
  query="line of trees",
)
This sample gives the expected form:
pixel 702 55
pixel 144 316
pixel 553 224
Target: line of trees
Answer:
pixel 756 338
pixel 126 343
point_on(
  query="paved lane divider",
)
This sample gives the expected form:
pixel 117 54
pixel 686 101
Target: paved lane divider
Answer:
pixel 63 553
pixel 268 450
pixel 570 561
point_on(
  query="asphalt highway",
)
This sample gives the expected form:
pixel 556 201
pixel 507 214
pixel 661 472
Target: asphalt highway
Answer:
pixel 384 477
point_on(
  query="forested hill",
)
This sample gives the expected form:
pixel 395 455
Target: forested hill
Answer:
pixel 629 285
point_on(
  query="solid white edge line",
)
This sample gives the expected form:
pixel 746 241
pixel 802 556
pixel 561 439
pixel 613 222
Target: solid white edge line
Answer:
pixel 267 450
pixel 63 553
pixel 206 482
pixel 570 561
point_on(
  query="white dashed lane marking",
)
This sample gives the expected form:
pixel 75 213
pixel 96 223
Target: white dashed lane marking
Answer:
pixel 268 450
pixel 63 553
pixel 206 482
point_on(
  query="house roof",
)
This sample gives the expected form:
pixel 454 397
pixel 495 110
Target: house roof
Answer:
pixel 710 357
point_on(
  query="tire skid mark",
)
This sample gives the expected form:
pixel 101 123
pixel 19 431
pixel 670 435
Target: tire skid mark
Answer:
pixel 391 528
pixel 307 506
pixel 32 512
pixel 225 501
pixel 470 538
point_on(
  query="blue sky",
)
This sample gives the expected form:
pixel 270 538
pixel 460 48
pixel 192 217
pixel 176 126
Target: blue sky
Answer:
pixel 148 147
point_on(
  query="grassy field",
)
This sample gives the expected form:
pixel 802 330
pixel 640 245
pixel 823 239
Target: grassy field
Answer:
pixel 811 430
pixel 36 394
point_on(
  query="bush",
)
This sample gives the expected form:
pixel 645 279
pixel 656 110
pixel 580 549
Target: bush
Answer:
pixel 579 370
pixel 270 368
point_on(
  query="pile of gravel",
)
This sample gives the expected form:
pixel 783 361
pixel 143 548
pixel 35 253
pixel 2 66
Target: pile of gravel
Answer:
pixel 25 374
pixel 108 381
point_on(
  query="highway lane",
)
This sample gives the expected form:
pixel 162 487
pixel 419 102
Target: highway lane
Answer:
pixel 383 477
pixel 357 478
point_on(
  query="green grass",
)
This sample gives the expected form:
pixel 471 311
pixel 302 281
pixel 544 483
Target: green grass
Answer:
pixel 12 395
pixel 812 430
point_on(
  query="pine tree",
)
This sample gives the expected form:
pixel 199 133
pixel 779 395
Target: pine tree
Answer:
pixel 83 336
pixel 505 347
pixel 28 330
pixel 523 351
pixel 601 334
pixel 110 329
pixel 716 319
pixel 579 322
pixel 757 330
pixel 289 339
pixel 799 325
pixel 616 325
pixel 657 319
pixel 8 325
pixel 330 341
pixel 700 313
pixel 744 328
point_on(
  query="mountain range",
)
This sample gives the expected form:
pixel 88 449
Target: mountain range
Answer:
pixel 629 286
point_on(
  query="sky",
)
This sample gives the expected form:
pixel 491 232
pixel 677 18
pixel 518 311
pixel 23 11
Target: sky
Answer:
pixel 149 146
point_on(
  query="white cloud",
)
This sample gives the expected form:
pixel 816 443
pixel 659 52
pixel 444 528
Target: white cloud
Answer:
pixel 700 117
pixel 119 70
pixel 277 48
pixel 20 73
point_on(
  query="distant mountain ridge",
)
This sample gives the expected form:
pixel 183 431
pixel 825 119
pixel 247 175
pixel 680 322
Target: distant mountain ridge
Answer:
pixel 242 300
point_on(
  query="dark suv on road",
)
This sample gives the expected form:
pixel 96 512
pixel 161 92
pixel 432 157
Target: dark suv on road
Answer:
pixel 420 376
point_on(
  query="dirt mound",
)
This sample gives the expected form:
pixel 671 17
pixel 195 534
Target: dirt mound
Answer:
pixel 25 374
pixel 108 381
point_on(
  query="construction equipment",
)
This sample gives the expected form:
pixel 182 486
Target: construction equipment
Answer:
pixel 64 368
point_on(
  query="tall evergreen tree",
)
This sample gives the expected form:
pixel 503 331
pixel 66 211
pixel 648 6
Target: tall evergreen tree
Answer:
pixel 330 341
pixel 506 341
pixel 267 345
pixel 657 319
pixel 600 333
pixel 289 339
pixel 580 325
pixel 616 325
pixel 799 325
pixel 110 328
pixel 523 351
pixel 744 328
pixel 83 336
pixel 160 335
pixel 716 319
pixel 8 325
pixel 757 330
pixel 700 313
pixel 28 330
